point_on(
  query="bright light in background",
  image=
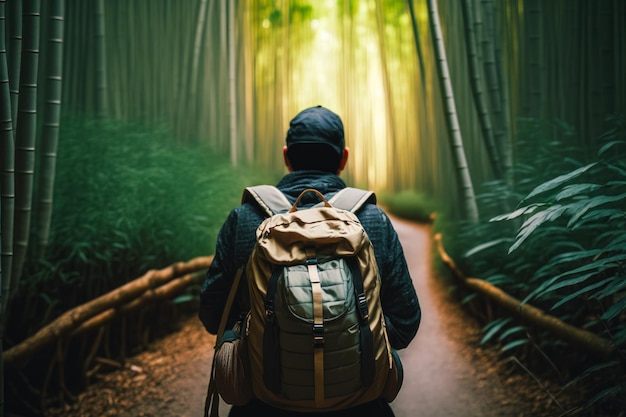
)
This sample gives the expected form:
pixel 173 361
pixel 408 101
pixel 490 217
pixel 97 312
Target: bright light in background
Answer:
pixel 317 74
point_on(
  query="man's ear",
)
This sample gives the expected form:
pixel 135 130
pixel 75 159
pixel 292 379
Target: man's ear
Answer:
pixel 344 160
pixel 286 158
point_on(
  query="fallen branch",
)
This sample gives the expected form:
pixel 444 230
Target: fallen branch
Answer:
pixel 583 339
pixel 74 318
pixel 165 291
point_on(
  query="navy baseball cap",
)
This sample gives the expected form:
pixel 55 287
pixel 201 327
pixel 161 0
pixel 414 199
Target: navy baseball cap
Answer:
pixel 317 125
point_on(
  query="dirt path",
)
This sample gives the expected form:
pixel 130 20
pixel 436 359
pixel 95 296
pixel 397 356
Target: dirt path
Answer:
pixel 446 372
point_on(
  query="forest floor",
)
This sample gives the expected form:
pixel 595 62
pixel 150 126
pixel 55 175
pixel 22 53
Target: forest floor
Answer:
pixel 447 371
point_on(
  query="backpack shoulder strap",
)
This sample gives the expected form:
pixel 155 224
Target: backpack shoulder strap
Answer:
pixel 352 199
pixel 268 197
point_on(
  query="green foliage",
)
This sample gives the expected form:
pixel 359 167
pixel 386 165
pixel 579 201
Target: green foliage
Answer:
pixel 128 198
pixel 421 208
pixel 410 205
pixel 563 247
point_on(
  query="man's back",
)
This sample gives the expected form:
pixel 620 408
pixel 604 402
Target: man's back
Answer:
pixel 321 130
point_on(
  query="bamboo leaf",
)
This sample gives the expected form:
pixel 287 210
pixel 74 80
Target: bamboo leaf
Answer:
pixel 615 310
pixel 535 221
pixel 184 298
pixel 616 183
pixel 615 285
pixel 469 298
pixel 557 262
pixel 576 189
pixel 500 280
pixel 575 251
pixel 558 181
pixel 514 344
pixel 607 146
pixel 618 241
pixel 519 212
pixel 493 328
pixel 598 216
pixel 512 330
pixel 590 268
pixel 613 391
pixel 617 169
pixel 578 293
pixel 592 203
pixel 485 246
pixel 591 370
pixel 579 279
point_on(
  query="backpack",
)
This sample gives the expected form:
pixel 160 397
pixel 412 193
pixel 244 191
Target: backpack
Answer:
pixel 315 332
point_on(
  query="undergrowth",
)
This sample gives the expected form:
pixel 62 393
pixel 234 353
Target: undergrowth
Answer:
pixel 556 239
pixel 128 198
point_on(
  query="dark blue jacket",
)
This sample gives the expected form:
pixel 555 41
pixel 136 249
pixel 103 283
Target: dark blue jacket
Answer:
pixel 236 240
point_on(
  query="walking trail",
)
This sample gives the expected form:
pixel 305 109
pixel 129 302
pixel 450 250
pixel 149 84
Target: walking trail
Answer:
pixel 447 372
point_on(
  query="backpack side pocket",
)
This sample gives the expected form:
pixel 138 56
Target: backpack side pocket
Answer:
pixel 232 367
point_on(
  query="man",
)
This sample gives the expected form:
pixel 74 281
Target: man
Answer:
pixel 315 154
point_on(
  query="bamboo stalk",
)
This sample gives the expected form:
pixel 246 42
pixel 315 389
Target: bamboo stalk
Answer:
pixel 582 339
pixel 25 138
pixel 457 147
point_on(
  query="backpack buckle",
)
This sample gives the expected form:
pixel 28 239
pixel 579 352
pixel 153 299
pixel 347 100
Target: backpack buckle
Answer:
pixel 318 335
pixel 362 305
pixel 269 309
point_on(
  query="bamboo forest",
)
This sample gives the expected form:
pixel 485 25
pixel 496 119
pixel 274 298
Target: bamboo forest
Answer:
pixel 129 129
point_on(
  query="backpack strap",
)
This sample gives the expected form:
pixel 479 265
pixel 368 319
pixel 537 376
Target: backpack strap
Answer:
pixel 211 403
pixel 268 197
pixel 273 201
pixel 352 199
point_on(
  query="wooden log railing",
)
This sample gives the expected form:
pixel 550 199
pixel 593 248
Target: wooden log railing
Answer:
pixel 163 283
pixel 154 284
pixel 580 338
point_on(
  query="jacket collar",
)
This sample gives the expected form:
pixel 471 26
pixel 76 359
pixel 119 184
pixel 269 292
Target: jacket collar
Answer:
pixel 295 182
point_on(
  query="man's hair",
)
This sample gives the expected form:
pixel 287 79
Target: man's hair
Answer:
pixel 313 156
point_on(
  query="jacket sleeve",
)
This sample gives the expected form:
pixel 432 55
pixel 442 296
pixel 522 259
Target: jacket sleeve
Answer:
pixel 219 276
pixel 398 296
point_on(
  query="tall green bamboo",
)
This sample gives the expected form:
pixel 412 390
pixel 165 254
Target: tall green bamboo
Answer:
pixel 248 86
pixel 533 55
pixel 472 23
pixel 25 137
pixel 195 65
pixel 14 58
pixel 418 43
pixel 497 88
pixel 223 68
pixel 6 189
pixel 387 88
pixel 210 98
pixel 232 83
pixel 101 69
pixel 285 48
pixel 464 179
pixel 7 169
pixel 51 122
